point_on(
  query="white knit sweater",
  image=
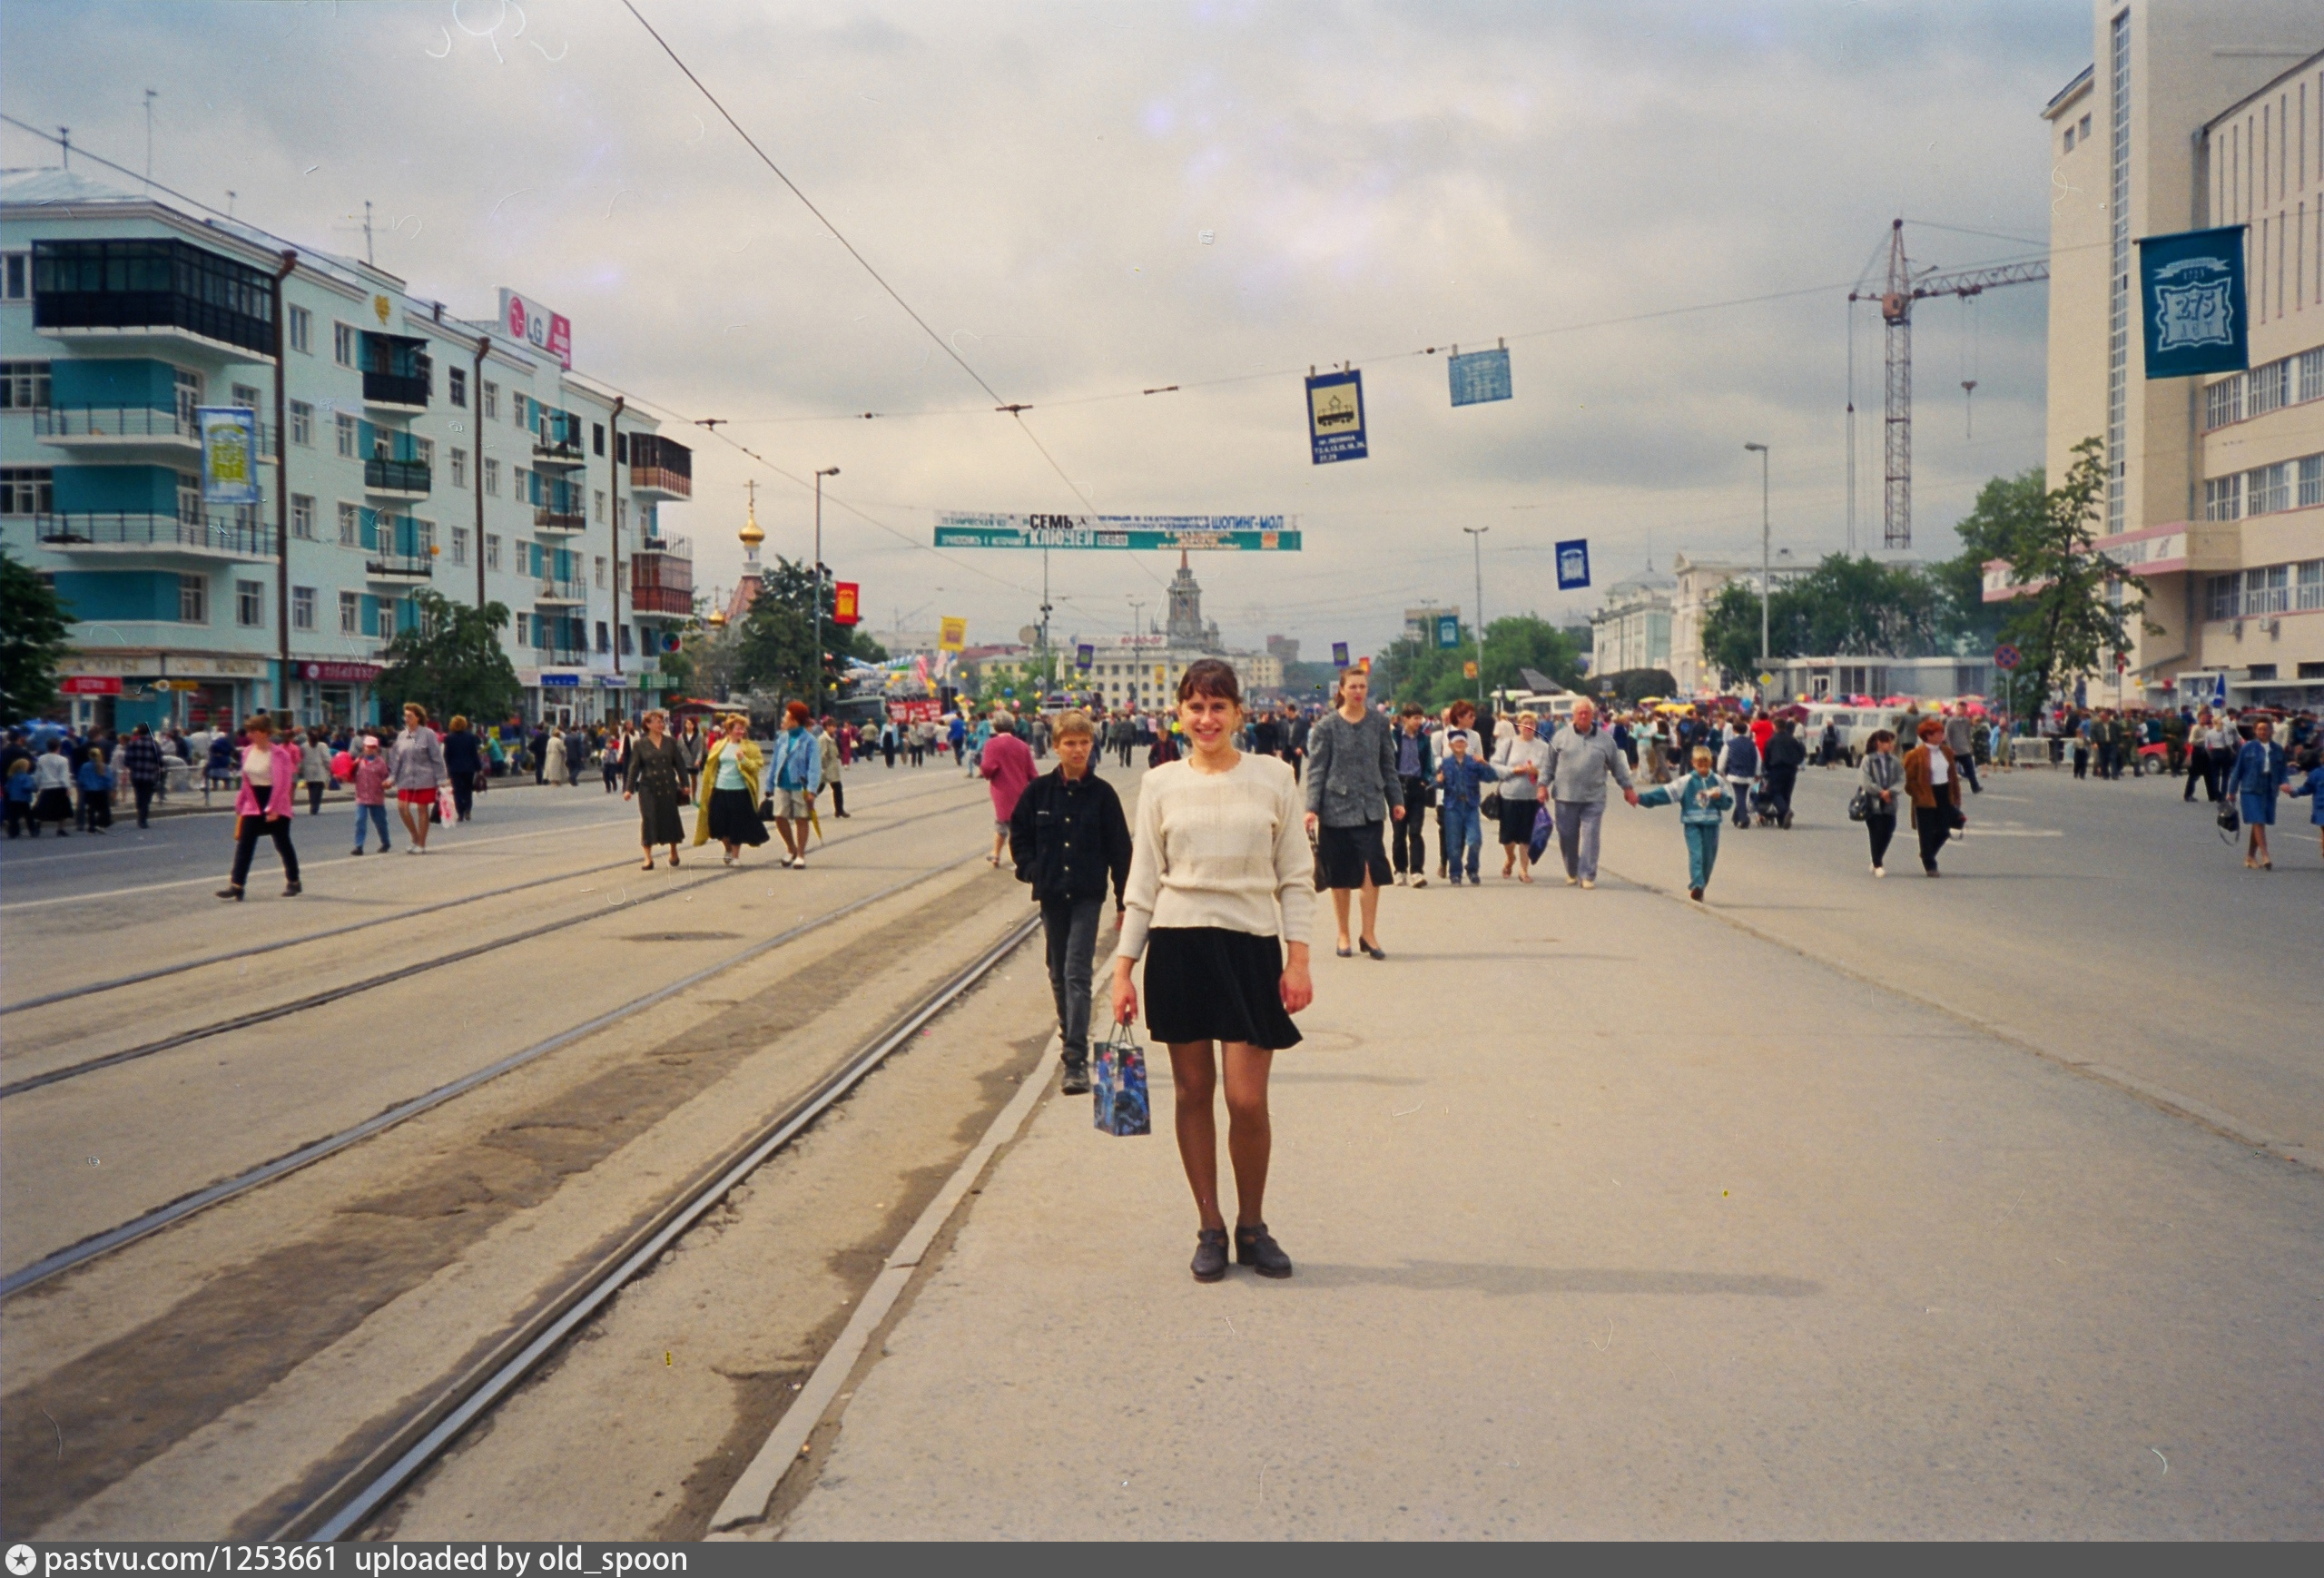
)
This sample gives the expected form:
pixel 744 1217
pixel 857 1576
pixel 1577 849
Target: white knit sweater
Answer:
pixel 1219 849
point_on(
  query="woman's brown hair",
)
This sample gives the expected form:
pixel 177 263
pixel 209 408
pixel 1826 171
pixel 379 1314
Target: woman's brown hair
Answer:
pixel 259 724
pixel 1210 677
pixel 413 706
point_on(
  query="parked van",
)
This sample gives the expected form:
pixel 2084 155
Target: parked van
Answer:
pixel 1856 725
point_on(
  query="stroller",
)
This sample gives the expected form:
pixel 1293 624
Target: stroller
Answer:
pixel 1768 808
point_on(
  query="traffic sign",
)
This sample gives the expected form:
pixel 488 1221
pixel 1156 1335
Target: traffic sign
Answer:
pixel 1766 679
pixel 2007 657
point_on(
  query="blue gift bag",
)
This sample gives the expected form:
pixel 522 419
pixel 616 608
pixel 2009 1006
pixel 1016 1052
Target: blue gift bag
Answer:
pixel 1118 1085
pixel 1538 844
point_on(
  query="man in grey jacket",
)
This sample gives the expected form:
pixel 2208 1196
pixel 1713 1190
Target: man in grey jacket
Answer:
pixel 1352 793
pixel 1581 755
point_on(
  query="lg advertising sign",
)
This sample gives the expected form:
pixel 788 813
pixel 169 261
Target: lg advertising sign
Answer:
pixel 530 324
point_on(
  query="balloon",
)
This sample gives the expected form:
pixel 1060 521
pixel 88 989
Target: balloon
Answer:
pixel 342 766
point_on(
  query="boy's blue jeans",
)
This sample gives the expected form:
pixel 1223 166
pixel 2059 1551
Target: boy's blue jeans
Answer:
pixel 1462 831
pixel 364 816
pixel 1702 852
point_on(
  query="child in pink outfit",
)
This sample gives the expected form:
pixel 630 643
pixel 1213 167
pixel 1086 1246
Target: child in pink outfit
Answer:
pixel 370 793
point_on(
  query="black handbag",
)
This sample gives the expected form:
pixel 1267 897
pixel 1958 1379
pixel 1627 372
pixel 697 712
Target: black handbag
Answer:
pixel 2229 822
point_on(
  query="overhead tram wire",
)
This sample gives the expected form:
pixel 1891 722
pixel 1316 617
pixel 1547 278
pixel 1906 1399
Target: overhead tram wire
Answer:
pixel 1016 409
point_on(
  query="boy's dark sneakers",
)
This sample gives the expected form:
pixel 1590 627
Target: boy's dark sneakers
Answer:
pixel 1210 1254
pixel 1255 1246
pixel 1076 1080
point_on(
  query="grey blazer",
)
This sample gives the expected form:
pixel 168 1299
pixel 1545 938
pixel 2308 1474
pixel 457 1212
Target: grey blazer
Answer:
pixel 1351 768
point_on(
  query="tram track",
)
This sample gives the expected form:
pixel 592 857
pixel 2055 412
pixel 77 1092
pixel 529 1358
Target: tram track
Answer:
pixel 337 994
pixel 345 1507
pixel 163 972
pixel 176 1211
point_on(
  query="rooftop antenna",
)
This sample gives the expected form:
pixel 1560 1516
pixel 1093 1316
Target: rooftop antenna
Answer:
pixel 150 94
pixel 367 234
pixel 64 141
pixel 230 195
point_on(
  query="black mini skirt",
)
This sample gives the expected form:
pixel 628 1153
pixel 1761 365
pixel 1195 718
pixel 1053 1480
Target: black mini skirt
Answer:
pixel 1206 983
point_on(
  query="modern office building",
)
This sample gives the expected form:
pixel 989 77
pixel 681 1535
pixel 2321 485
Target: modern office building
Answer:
pixel 401 447
pixel 2197 114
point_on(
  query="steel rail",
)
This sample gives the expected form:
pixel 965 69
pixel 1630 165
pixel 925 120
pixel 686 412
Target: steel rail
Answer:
pixel 392 1466
pixel 403 973
pixel 256 948
pixel 315 1150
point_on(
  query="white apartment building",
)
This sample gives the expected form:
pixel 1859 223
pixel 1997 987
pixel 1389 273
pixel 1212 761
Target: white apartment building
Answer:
pixel 2197 114
pixel 1696 585
pixel 1631 629
pixel 406 448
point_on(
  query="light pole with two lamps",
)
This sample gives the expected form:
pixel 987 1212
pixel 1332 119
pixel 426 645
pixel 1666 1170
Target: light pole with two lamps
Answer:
pixel 1765 570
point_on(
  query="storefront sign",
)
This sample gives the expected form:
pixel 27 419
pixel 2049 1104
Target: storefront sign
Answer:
pixel 530 324
pixel 90 685
pixel 1335 417
pixel 613 681
pixel 340 673
pixel 915 712
pixel 2190 286
pixel 560 681
pixel 1247 533
pixel 228 454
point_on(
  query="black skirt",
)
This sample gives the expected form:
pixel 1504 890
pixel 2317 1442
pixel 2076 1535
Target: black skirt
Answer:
pixel 734 817
pixel 657 810
pixel 1352 854
pixel 1517 819
pixel 1206 983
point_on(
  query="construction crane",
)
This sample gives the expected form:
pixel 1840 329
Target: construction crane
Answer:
pixel 1896 314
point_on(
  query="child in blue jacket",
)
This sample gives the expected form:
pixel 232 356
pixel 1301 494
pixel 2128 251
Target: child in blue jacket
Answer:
pixel 1700 798
pixel 1460 776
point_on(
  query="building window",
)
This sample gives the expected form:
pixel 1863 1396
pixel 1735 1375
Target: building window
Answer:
pixel 303 423
pixel 350 613
pixel 459 468
pixel 300 325
pixel 2223 498
pixel 601 572
pixel 2269 385
pixel 621 513
pixel 2311 375
pixel 18 268
pixel 2069 138
pixel 524 628
pixel 27 490
pixel 302 516
pixel 456 385
pixel 597 437
pixel 2084 128
pixel 492 553
pixel 351 525
pixel 2267 590
pixel 193 600
pixel 605 638
pixel 2223 402
pixel 492 477
pixel 2268 489
pixel 2263 670
pixel 246 396
pixel 342 344
pixel 24 385
pixel 491 400
pixel 250 603
pixel 626 648
pixel 524 480
pixel 424 451
pixel 302 607
pixel 189 392
pixel 349 432
pixel 516 409
pixel 459 545
pixel 2311 480
pixel 600 516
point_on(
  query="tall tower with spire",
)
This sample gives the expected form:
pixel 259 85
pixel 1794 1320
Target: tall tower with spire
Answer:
pixel 1185 624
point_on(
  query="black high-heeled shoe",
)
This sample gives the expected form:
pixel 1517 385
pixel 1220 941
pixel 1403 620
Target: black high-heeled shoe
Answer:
pixel 1255 1246
pixel 1210 1254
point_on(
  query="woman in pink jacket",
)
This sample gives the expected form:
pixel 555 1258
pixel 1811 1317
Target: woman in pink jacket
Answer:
pixel 1007 762
pixel 264 806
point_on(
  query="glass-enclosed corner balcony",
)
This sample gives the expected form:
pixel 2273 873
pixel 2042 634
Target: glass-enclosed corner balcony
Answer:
pixel 661 578
pixel 660 468
pixel 151 292
pixel 398 374
pixel 559 439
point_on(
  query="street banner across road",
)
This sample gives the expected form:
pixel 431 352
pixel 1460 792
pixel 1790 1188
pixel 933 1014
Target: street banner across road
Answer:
pixel 2190 286
pixel 1479 376
pixel 1250 533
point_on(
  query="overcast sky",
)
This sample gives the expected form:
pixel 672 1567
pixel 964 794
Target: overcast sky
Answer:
pixel 1037 181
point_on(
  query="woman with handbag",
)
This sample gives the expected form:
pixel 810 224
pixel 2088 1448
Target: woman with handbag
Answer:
pixel 1524 762
pixel 1878 782
pixel 654 775
pixel 1933 784
pixel 2252 784
pixel 464 761
pixel 415 769
pixel 729 798
pixel 263 806
pixel 1218 896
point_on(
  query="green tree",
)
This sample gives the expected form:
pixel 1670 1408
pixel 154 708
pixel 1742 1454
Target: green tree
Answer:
pixel 1844 608
pixel 2007 513
pixel 2077 607
pixel 774 644
pixel 1436 677
pixel 451 661
pixel 33 640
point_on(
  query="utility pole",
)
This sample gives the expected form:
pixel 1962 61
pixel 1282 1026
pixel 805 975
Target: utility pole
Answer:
pixel 1477 546
pixel 826 471
pixel 1766 571
pixel 281 495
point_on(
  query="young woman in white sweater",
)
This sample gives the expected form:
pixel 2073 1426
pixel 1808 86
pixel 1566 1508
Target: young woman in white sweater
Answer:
pixel 1221 890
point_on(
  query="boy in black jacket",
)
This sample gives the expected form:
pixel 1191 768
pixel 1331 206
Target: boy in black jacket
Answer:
pixel 1069 837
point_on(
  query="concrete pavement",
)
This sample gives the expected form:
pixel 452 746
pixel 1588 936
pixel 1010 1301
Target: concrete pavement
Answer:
pixel 1616 1220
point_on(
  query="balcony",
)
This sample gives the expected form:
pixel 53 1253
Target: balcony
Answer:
pixel 561 656
pixel 396 479
pixel 549 590
pixel 396 371
pixel 401 570
pixel 558 440
pixel 130 433
pixel 397 392
pixel 660 468
pixel 662 602
pixel 208 537
pixel 153 294
pixel 661 578
pixel 562 516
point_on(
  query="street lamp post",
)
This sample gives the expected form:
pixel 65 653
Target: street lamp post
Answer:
pixel 1477 545
pixel 1765 573
pixel 818 653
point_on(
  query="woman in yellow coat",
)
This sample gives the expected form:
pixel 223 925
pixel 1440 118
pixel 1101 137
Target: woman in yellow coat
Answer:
pixel 728 810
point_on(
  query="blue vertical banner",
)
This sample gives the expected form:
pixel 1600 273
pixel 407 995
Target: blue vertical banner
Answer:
pixel 228 454
pixel 1574 564
pixel 1339 655
pixel 1448 632
pixel 1335 417
pixel 1479 376
pixel 2191 294
pixel 1084 656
